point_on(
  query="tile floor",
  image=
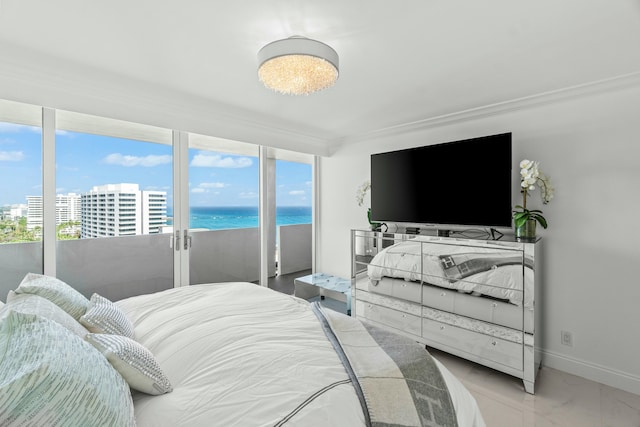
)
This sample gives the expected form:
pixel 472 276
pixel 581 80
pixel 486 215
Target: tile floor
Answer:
pixel 561 399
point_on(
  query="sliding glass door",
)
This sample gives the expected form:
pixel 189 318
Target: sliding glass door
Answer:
pixel 294 206
pixel 223 213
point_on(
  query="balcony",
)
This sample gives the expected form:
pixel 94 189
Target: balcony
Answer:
pixel 120 267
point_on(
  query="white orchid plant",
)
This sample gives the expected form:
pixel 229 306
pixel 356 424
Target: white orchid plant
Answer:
pixel 530 176
pixel 362 192
pixel 360 195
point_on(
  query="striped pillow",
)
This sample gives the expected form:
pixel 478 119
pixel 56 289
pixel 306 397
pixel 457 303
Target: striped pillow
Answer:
pixel 34 304
pixel 50 376
pixel 56 291
pixel 105 317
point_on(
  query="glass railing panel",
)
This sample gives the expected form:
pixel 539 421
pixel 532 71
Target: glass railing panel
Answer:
pixel 294 248
pixel 16 260
pixel 225 256
pixel 117 267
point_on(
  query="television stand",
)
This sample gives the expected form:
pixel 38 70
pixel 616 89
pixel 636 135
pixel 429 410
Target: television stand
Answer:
pixel 444 233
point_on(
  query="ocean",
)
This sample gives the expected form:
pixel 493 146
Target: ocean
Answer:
pixel 226 217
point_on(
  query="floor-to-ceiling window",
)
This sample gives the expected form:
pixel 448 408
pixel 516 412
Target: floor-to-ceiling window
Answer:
pixel 20 193
pixel 117 208
pixel 294 203
pixel 113 191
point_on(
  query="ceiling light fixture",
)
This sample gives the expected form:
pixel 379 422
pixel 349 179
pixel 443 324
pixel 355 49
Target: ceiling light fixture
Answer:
pixel 297 66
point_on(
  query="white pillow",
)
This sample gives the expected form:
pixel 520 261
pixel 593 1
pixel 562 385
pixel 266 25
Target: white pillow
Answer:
pixel 34 304
pixel 136 363
pixel 105 317
pixel 49 376
pixel 56 291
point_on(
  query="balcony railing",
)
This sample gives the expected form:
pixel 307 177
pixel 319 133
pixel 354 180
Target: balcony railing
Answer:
pixel 120 267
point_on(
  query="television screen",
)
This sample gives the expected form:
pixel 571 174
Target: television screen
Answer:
pixel 465 183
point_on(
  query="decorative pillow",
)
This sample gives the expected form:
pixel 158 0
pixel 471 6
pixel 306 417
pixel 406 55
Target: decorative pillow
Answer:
pixel 34 304
pixel 56 291
pixel 105 317
pixel 49 376
pixel 135 362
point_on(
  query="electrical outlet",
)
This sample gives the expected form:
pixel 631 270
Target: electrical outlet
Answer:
pixel 566 338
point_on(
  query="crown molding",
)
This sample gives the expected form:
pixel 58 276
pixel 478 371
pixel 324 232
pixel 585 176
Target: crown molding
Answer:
pixel 544 98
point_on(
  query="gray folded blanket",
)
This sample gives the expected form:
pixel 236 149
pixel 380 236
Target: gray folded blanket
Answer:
pixel 396 379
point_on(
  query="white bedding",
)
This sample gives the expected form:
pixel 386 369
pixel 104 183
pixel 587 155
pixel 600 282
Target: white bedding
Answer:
pixel 238 354
pixel 414 261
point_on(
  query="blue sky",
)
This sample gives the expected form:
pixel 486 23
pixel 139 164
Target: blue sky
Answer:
pixel 84 161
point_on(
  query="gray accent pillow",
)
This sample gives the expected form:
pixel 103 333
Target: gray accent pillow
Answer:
pixel 49 376
pixel 34 304
pixel 105 317
pixel 133 361
pixel 56 291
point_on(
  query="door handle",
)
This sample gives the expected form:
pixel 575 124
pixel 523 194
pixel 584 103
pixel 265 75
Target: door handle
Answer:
pixel 177 245
pixel 187 240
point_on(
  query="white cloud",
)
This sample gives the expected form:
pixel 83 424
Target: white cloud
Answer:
pixel 11 156
pixel 206 160
pixel 204 187
pixel 249 195
pixel 212 185
pixel 296 193
pixel 146 161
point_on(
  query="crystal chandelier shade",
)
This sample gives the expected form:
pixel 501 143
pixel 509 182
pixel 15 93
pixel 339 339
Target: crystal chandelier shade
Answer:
pixel 297 66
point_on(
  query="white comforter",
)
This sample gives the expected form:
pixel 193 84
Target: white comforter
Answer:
pixel 238 354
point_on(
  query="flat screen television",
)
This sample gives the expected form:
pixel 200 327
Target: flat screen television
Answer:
pixel 459 183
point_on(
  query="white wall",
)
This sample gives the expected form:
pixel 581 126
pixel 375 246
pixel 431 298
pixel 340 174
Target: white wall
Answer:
pixel 589 143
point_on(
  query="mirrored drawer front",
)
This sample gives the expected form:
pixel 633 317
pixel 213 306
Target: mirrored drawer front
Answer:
pixel 397 288
pixel 495 349
pixel 494 311
pixel 395 319
pixel 439 298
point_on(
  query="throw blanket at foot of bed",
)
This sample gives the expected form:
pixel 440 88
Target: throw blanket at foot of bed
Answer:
pixel 396 379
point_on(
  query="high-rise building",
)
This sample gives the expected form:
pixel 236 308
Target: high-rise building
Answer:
pixel 34 212
pixel 122 210
pixel 67 209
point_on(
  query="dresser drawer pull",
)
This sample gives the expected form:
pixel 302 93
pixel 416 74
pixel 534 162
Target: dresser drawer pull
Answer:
pixel 442 327
pixel 494 305
pixel 494 342
pixel 443 294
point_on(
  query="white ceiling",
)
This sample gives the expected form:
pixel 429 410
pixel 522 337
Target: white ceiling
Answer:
pixel 401 62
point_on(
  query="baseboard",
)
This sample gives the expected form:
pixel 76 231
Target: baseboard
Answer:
pixel 592 371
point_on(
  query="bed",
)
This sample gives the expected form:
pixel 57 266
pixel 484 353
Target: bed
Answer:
pixel 237 354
